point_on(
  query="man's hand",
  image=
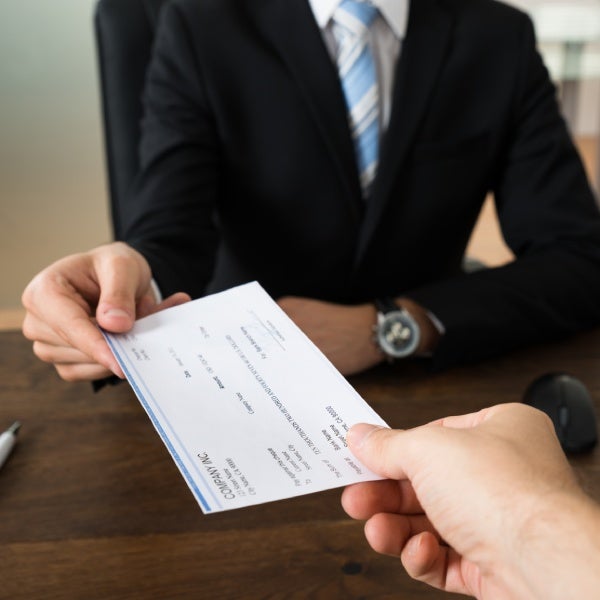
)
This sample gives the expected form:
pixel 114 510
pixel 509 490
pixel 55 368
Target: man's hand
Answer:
pixel 110 286
pixel 343 333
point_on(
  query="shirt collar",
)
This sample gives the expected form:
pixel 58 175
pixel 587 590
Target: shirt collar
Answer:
pixel 395 12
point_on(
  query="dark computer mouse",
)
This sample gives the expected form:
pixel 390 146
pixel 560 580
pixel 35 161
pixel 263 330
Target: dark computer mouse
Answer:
pixel 569 404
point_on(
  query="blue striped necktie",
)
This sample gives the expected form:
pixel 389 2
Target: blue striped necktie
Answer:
pixel 359 82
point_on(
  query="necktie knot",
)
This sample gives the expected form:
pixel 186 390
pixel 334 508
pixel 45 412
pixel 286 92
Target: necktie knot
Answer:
pixel 355 16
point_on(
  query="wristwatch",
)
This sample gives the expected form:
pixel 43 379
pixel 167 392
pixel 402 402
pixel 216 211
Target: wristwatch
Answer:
pixel 397 333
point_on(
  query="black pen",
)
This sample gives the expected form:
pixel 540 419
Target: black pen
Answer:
pixel 7 441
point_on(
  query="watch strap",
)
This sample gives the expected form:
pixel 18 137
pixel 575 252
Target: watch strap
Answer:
pixel 385 305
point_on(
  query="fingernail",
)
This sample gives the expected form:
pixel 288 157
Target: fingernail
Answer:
pixel 115 367
pixel 358 434
pixel 117 312
pixel 108 360
pixel 412 546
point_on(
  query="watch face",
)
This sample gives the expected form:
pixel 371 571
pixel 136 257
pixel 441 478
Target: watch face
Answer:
pixel 398 334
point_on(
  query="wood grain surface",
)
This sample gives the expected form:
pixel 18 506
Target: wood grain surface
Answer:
pixel 92 506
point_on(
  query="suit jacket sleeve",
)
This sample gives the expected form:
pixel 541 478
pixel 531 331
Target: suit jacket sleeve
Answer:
pixel 550 220
pixel 169 216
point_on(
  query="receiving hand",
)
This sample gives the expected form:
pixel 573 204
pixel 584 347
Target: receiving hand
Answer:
pixel 482 504
pixel 110 286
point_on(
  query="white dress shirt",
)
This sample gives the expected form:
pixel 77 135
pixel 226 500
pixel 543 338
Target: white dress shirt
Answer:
pixel 386 34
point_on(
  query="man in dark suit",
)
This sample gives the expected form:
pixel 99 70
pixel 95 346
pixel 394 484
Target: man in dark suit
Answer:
pixel 249 171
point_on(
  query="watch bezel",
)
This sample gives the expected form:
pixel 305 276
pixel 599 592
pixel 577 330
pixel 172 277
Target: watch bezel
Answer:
pixel 398 349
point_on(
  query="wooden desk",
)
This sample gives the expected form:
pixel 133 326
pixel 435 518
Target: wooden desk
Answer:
pixel 92 506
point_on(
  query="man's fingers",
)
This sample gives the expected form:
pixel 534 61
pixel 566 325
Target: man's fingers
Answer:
pixel 54 354
pixel 56 347
pixel 82 371
pixel 173 300
pixel 35 329
pixel 72 325
pixel 65 300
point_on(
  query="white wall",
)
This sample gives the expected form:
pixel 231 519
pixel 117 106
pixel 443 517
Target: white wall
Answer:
pixel 52 189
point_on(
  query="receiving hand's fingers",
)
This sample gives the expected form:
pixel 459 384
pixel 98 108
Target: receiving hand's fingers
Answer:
pixel 467 421
pixel 388 533
pixel 440 566
pixel 424 555
pixel 363 500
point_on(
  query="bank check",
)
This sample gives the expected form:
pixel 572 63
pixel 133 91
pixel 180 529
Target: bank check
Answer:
pixel 250 410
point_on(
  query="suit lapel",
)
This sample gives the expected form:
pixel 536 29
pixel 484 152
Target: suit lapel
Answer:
pixel 289 26
pixel 423 51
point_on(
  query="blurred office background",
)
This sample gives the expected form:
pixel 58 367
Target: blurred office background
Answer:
pixel 52 183
pixel 53 193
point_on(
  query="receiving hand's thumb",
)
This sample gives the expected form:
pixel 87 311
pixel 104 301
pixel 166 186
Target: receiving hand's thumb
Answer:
pixel 359 435
pixel 378 448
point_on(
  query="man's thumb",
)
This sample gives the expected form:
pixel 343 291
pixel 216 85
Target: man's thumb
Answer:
pixel 116 312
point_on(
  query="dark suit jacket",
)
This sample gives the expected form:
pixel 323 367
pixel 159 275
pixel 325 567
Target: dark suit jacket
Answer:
pixel 248 171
